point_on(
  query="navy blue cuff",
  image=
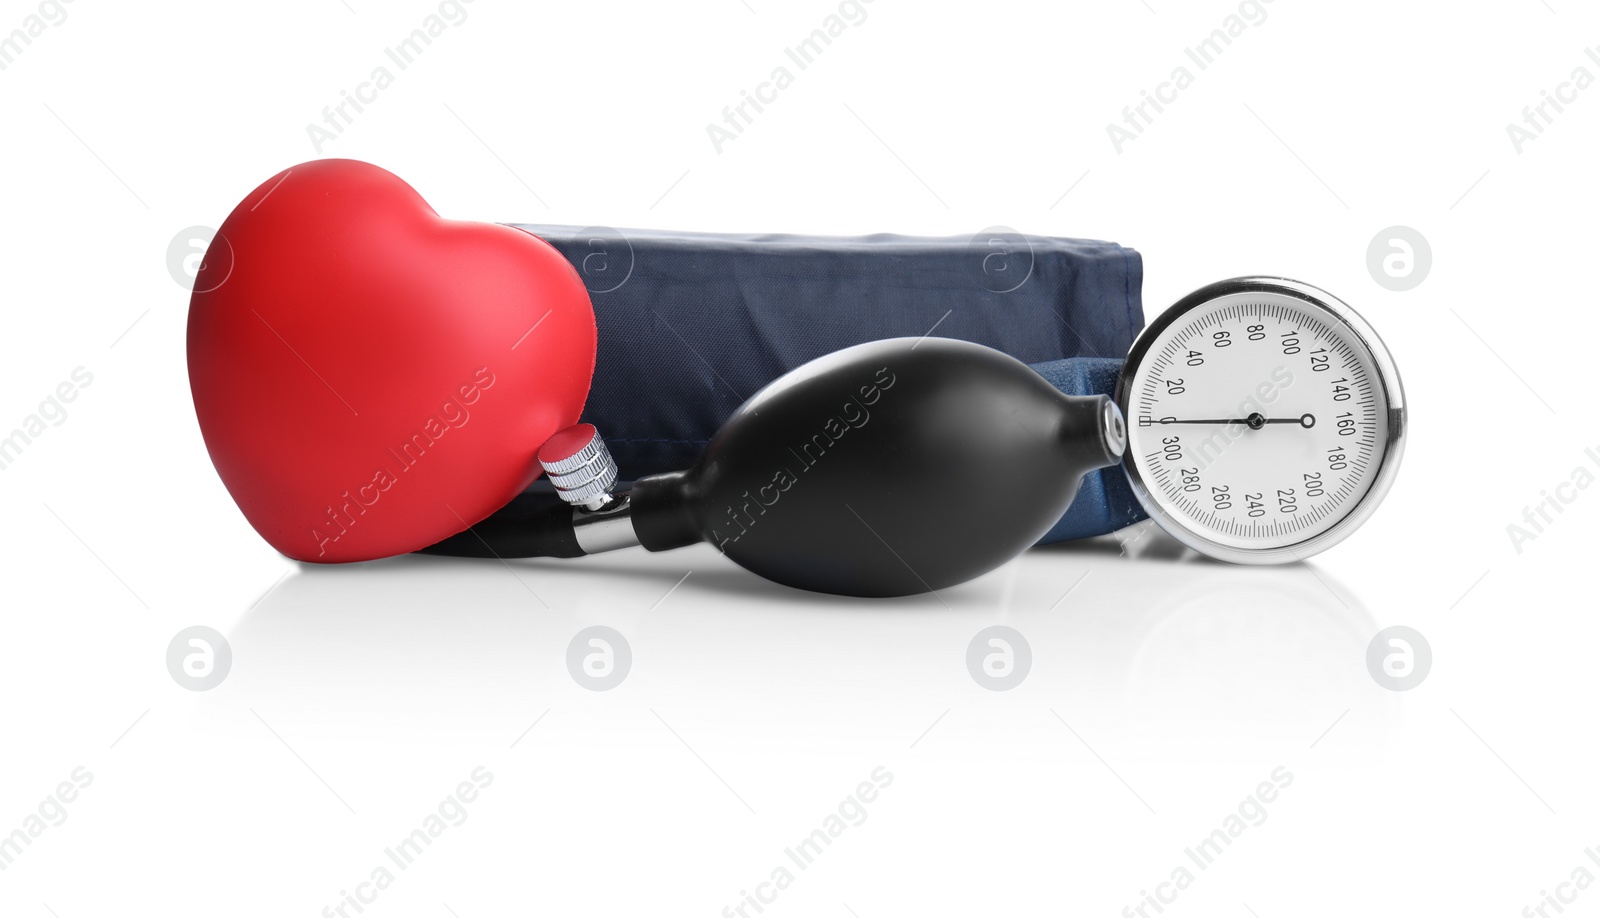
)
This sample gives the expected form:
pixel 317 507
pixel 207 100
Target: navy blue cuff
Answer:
pixel 691 324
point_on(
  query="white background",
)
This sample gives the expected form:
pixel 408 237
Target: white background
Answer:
pixel 1164 688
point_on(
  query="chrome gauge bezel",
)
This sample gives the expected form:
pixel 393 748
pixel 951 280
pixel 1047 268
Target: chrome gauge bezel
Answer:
pixel 1388 378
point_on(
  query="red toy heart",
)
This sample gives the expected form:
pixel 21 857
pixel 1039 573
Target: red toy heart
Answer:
pixel 371 378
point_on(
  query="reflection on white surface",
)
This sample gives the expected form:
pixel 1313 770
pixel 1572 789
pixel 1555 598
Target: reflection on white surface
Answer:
pixel 1133 637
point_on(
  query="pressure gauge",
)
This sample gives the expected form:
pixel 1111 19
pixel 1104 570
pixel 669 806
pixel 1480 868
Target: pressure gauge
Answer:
pixel 1265 420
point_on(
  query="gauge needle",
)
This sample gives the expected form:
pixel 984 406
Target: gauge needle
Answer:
pixel 1254 421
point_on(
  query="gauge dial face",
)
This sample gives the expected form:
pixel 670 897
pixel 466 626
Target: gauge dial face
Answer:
pixel 1260 421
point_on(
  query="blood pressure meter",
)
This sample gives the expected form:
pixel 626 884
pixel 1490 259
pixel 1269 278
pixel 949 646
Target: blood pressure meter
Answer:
pixel 1259 420
pixel 1265 420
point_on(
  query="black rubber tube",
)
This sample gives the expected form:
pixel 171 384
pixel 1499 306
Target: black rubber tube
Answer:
pixel 524 528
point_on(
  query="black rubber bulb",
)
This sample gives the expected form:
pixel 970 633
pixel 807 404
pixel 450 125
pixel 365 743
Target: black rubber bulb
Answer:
pixel 889 468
